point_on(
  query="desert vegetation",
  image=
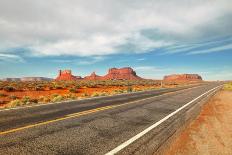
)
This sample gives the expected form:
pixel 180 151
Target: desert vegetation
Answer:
pixel 228 86
pixel 26 93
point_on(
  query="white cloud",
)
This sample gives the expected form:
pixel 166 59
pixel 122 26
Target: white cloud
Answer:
pixel 211 50
pixel 147 68
pixel 104 27
pixel 91 60
pixel 11 58
pixel 81 60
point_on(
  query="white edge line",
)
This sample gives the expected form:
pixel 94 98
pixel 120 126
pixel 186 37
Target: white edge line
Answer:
pixel 98 97
pixel 139 135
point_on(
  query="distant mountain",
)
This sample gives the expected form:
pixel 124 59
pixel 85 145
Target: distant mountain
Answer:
pixel 28 79
pixel 183 77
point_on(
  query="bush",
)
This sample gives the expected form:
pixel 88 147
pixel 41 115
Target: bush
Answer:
pixel 57 98
pixel 26 100
pixel 228 86
pixel 103 94
pixel 72 90
pixel 58 87
pixel 39 88
pixel 84 95
pixel 9 88
pixel 14 103
pixel 2 95
pixel 13 97
pixel 95 94
pixel 71 96
pixel 34 100
pixel 44 99
pixel 129 89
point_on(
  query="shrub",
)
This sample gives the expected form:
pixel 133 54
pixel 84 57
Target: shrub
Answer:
pixel 14 103
pixel 54 95
pixel 9 88
pixel 34 100
pixel 39 88
pixel 58 87
pixel 84 95
pixel 95 94
pixel 72 90
pixel 71 96
pixel 57 98
pixel 44 99
pixel 26 100
pixel 103 94
pixel 129 89
pixel 228 86
pixel 2 95
pixel 13 97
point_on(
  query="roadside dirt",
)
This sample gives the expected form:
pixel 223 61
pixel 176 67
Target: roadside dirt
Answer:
pixel 210 133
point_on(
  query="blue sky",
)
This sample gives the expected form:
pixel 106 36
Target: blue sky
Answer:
pixel 156 38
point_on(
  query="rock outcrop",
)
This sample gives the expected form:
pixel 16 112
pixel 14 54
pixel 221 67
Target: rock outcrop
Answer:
pixel 183 77
pixel 126 73
pixel 66 75
pixel 93 76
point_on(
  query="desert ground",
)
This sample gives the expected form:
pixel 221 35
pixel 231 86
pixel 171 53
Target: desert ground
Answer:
pixel 24 93
pixel 211 132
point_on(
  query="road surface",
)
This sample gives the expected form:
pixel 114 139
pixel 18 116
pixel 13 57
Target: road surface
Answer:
pixel 93 126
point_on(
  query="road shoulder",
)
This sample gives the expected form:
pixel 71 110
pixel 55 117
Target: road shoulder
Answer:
pixel 211 132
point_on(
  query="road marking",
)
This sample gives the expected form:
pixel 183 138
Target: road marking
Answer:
pixel 139 135
pixel 86 112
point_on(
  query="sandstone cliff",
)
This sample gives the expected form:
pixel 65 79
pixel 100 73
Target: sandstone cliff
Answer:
pixel 183 77
pixel 125 73
pixel 93 76
pixel 67 75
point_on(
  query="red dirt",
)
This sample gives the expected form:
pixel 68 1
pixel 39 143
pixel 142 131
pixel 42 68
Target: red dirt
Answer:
pixel 211 132
pixel 79 93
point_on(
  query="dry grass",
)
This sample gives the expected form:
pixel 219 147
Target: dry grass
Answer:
pixel 228 86
pixel 24 93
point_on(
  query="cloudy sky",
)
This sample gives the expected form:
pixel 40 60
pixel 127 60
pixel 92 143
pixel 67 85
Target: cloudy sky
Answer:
pixel 155 37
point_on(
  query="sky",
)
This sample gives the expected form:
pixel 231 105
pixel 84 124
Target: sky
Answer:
pixel 154 37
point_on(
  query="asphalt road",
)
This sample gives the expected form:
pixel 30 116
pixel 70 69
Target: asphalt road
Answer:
pixel 94 126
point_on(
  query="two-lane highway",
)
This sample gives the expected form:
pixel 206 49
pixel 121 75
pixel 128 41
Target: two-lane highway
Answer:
pixel 93 126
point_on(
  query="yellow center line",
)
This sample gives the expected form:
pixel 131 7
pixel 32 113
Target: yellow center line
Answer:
pixel 81 114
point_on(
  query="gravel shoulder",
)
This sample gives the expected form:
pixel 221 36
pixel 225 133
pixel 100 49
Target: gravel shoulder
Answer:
pixel 211 132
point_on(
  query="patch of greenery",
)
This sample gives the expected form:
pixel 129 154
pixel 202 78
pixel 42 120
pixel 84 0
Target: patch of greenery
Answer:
pixel 58 98
pixel 73 90
pixel 2 95
pixel 9 88
pixel 228 86
pixel 14 103
pixel 95 94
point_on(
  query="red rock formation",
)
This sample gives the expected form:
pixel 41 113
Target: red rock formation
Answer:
pixel 93 76
pixel 126 73
pixel 66 75
pixel 183 77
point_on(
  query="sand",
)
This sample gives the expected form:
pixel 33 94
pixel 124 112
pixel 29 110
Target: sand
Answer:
pixel 210 133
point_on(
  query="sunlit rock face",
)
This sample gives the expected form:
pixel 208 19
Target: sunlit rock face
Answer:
pixel 66 75
pixel 93 76
pixel 183 77
pixel 126 73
